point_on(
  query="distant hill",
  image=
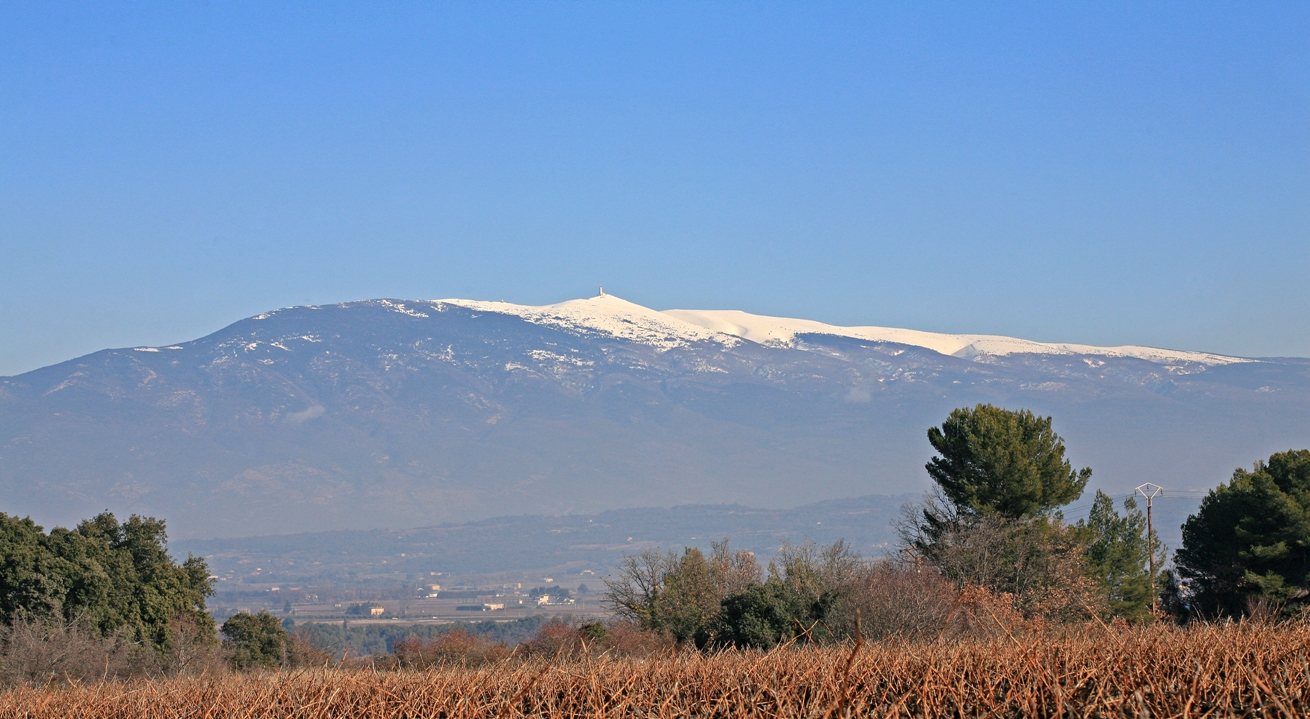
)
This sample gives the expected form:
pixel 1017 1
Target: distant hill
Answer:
pixel 568 543
pixel 571 543
pixel 390 413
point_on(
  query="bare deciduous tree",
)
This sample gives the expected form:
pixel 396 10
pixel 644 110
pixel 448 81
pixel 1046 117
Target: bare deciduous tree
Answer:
pixel 733 571
pixel 635 587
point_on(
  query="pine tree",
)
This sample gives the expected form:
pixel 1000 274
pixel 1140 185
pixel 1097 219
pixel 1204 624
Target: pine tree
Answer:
pixel 1004 462
pixel 1250 539
pixel 1118 556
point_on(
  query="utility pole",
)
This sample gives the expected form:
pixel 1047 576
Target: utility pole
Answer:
pixel 1149 490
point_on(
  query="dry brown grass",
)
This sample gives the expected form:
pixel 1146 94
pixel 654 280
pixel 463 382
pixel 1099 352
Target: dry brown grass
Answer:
pixel 1235 670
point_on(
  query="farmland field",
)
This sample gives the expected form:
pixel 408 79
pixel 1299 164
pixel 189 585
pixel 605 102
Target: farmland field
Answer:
pixel 1207 670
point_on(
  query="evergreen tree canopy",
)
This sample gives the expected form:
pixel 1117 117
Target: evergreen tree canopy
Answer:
pixel 105 574
pixel 766 615
pixel 257 640
pixel 1250 538
pixel 1004 462
pixel 1118 556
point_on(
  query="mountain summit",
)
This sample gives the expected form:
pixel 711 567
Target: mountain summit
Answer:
pixel 396 413
pixel 619 318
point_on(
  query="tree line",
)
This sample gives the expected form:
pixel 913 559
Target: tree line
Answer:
pixel 110 576
pixel 991 535
pixel 992 529
pixel 105 598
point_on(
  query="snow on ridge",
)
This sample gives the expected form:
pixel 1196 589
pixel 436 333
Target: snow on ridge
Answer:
pixel 607 315
pixel 782 331
pixel 615 317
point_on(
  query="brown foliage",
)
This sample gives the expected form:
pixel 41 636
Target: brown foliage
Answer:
pixel 899 601
pixel 625 639
pixel 455 647
pixel 41 652
pixel 1157 670
pixel 554 638
pixel 303 652
pixel 191 649
pixel 1040 562
pixel 895 600
pixel 614 639
pixel 978 613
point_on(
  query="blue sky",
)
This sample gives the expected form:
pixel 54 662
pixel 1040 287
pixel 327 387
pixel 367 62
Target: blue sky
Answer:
pixel 1096 173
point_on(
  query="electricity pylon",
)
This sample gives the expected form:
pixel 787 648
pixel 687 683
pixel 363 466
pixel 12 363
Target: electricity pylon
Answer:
pixel 1149 490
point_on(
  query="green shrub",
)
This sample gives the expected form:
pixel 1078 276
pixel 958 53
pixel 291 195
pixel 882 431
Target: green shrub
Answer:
pixel 256 640
pixel 765 615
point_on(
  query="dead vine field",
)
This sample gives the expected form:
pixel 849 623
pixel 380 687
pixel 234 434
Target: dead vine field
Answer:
pixel 1162 671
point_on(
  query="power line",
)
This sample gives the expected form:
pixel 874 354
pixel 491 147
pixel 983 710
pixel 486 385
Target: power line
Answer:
pixel 1172 495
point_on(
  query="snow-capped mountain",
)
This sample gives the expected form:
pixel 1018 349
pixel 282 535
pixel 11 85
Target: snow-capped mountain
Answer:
pixel 406 413
pixel 617 318
pixel 782 331
pixel 607 316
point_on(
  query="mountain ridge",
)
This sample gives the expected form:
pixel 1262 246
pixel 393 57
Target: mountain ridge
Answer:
pixel 403 413
pixel 664 328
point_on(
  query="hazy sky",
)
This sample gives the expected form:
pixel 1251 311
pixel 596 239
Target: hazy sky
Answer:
pixel 1085 172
